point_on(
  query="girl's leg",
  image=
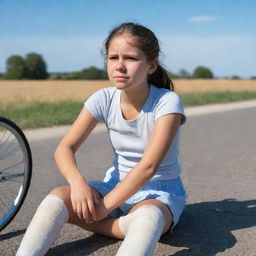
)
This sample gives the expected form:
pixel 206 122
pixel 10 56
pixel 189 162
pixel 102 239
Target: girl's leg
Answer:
pixel 53 212
pixel 143 227
pixel 108 227
pixel 163 207
pixel 44 227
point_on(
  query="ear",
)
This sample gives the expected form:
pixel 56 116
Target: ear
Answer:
pixel 152 66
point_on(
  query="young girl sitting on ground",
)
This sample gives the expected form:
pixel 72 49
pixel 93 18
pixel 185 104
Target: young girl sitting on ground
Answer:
pixel 141 196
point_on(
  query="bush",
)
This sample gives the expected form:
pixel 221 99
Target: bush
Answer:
pixel 184 74
pixel 91 73
pixel 55 76
pixel 235 77
pixel 202 72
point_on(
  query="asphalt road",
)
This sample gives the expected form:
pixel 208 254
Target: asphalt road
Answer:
pixel 219 172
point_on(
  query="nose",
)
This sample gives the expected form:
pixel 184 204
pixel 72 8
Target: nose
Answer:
pixel 120 65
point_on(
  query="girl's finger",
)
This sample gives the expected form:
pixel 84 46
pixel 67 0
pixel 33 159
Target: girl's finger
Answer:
pixel 92 209
pixel 85 211
pixel 79 210
pixel 73 206
pixel 96 197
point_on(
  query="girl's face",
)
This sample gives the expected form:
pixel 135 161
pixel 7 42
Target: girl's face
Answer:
pixel 127 66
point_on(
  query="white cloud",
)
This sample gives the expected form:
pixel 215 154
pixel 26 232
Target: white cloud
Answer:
pixel 203 18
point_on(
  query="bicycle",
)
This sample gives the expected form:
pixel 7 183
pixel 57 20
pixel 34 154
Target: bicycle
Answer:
pixel 15 170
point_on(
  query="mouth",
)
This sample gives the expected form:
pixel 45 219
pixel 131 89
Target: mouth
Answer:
pixel 121 77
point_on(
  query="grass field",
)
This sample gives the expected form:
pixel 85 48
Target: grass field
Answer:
pixel 33 104
pixel 13 92
pixel 17 92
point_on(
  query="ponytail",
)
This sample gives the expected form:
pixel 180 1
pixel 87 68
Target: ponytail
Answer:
pixel 161 79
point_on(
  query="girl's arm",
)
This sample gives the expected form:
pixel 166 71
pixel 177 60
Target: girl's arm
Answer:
pixel 161 138
pixel 82 196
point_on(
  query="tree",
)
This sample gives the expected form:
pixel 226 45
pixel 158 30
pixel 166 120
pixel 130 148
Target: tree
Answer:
pixel 15 67
pixel 93 73
pixel 235 77
pixel 55 76
pixel 172 75
pixel 183 73
pixel 35 66
pixel 202 72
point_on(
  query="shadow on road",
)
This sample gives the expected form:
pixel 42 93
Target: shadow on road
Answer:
pixel 12 234
pixel 82 247
pixel 205 228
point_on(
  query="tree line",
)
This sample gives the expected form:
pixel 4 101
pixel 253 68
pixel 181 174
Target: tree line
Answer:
pixel 33 66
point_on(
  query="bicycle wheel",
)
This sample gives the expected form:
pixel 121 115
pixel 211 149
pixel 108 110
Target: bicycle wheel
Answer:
pixel 15 170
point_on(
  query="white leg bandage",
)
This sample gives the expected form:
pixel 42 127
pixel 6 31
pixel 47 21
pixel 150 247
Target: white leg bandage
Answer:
pixel 44 227
pixel 142 230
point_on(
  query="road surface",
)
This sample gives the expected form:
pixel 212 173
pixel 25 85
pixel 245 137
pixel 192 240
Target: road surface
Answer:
pixel 219 172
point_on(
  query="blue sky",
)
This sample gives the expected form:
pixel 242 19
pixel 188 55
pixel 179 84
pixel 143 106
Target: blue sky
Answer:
pixel 219 34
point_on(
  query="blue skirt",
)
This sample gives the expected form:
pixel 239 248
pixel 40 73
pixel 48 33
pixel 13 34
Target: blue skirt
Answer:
pixel 170 192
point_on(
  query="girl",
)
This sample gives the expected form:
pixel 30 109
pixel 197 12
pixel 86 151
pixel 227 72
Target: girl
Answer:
pixel 141 196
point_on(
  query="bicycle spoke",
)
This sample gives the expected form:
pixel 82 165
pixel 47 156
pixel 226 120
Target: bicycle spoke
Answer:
pixel 9 167
pixel 6 140
pixel 10 149
pixel 4 204
pixel 15 170
pixel 8 154
pixel 5 131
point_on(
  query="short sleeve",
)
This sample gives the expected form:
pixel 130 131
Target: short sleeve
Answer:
pixel 97 104
pixel 169 103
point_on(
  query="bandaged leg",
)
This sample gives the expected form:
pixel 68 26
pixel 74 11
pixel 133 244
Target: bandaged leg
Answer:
pixel 142 230
pixel 44 227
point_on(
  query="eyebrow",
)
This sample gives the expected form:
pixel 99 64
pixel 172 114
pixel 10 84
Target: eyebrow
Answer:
pixel 126 54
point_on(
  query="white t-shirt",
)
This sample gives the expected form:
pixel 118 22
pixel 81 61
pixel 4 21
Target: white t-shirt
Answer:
pixel 129 138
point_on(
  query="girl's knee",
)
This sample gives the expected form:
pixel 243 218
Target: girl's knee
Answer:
pixel 161 206
pixel 147 217
pixel 63 192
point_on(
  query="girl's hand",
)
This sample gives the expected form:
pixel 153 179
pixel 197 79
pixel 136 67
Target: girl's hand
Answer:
pixel 84 198
pixel 101 211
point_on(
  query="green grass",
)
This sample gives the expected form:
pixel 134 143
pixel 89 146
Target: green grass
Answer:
pixel 63 113
pixel 42 114
pixel 196 99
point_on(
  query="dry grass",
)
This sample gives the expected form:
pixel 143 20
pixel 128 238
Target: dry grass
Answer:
pixel 47 91
pixel 194 86
pixel 54 91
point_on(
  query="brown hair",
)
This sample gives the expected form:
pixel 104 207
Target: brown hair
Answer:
pixel 146 41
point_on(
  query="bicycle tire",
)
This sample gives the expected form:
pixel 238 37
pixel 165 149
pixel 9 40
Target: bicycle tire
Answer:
pixel 15 170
